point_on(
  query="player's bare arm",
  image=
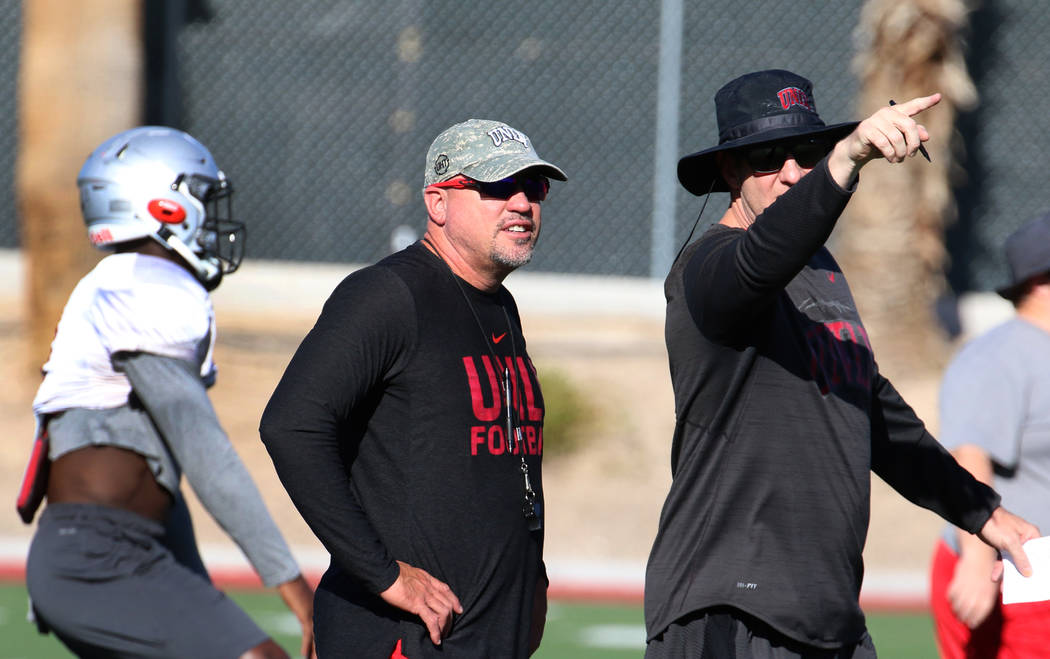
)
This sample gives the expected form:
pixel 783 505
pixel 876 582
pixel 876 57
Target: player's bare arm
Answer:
pixel 972 593
pixel 299 598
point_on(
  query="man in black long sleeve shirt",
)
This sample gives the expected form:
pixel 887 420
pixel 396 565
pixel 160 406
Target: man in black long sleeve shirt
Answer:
pixel 781 409
pixel 408 427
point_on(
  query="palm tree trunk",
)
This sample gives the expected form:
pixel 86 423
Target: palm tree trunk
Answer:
pixel 79 82
pixel 891 240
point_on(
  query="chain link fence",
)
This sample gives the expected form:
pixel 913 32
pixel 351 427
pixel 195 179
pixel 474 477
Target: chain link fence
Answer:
pixel 1004 179
pixel 10 55
pixel 321 113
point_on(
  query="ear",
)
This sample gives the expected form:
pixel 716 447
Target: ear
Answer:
pixel 729 167
pixel 1041 287
pixel 436 201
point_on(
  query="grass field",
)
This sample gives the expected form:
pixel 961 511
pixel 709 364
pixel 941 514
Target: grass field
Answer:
pixel 576 630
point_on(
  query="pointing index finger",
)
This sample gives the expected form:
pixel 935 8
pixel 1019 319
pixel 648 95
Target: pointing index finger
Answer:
pixel 922 149
pixel 918 104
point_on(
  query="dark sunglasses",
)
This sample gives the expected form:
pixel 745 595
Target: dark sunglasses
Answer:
pixel 769 158
pixel 534 187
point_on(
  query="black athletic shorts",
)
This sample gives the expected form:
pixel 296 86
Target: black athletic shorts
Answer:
pixel 100 579
pixel 726 633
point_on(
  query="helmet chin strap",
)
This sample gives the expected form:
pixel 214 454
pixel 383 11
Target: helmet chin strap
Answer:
pixel 207 269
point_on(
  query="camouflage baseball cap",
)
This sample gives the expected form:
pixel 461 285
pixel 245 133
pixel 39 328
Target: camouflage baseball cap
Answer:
pixel 485 151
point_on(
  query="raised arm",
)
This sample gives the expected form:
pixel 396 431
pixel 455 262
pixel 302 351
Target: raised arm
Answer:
pixel 734 274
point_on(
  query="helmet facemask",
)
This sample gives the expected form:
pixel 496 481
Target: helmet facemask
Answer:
pixel 220 237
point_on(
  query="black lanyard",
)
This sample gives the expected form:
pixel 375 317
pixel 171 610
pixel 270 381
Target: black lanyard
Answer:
pixel 513 424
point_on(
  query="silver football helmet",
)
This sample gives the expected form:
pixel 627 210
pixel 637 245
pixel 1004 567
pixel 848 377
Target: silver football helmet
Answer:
pixel 161 183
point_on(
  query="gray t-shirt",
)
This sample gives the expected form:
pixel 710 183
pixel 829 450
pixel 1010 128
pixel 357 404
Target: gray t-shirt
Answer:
pixel 996 395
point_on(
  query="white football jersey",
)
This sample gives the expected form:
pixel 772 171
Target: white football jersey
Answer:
pixel 128 303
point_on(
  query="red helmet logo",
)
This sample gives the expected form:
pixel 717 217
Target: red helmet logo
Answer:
pixel 100 237
pixel 167 211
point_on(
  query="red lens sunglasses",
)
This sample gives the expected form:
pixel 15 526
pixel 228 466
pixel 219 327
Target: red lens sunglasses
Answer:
pixel 534 187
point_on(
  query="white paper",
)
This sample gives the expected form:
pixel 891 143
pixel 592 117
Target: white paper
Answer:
pixel 1036 588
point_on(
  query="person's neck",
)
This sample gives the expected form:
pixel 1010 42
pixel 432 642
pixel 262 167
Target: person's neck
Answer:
pixel 146 246
pixel 1035 312
pixel 735 216
pixel 487 281
pixel 151 247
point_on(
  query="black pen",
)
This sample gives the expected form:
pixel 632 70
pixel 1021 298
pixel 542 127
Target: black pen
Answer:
pixel 922 149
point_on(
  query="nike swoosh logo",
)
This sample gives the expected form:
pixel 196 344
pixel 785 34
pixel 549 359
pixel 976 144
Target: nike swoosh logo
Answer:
pixel 497 339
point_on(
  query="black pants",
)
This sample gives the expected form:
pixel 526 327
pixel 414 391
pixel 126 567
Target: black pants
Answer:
pixel 726 633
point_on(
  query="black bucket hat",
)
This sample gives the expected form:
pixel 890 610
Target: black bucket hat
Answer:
pixel 756 108
pixel 1028 255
